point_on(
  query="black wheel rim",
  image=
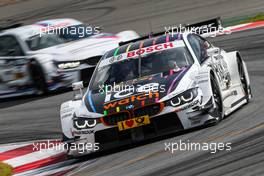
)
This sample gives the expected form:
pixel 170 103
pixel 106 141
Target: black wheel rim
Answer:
pixel 38 78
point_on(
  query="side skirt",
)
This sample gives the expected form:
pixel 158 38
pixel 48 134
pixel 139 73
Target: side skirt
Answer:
pixel 236 105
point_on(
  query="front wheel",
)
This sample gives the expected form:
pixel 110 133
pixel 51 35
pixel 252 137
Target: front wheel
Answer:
pixel 38 77
pixel 217 110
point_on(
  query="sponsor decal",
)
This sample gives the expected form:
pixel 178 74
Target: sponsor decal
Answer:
pixel 135 53
pixel 140 98
pixel 133 123
pixel 190 105
pixel 187 106
pixel 150 49
pixel 83 132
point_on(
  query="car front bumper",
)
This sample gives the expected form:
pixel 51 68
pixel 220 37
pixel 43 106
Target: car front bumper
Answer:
pixel 169 120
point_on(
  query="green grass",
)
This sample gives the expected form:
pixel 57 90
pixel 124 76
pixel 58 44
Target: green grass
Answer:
pixel 258 17
pixel 5 169
pixel 244 19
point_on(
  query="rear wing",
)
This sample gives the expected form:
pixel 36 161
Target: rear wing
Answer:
pixel 204 27
pixel 207 26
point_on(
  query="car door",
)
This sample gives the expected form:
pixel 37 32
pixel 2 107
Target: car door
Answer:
pixel 207 54
pixel 13 63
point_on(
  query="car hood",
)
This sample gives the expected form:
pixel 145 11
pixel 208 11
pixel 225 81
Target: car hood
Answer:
pixel 99 102
pixel 82 49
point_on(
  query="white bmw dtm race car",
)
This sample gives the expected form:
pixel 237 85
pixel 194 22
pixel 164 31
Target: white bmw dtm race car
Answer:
pixel 153 87
pixel 51 54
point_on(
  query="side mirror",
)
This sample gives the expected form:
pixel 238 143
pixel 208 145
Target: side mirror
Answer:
pixel 213 51
pixel 78 90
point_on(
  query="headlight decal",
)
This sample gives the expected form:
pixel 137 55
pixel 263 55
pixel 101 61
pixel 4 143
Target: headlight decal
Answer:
pixel 84 123
pixel 175 101
pixel 188 97
pixel 68 65
pixel 182 98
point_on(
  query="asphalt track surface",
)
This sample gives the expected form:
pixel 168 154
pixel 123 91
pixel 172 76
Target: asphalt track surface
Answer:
pixel 31 118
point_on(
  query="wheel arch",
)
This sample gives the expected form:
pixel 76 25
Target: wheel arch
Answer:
pixel 34 68
pixel 67 111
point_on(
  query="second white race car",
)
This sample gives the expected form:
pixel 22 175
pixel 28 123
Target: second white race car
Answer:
pixel 52 54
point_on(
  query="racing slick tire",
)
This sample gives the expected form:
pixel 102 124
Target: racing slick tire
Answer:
pixel 217 110
pixel 38 77
pixel 243 79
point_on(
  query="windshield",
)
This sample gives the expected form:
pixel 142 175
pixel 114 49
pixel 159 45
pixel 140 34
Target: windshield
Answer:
pixel 76 32
pixel 60 36
pixel 45 41
pixel 129 69
pixel 9 46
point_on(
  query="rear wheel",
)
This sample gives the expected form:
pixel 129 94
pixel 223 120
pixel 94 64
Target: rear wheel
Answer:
pixel 38 77
pixel 246 88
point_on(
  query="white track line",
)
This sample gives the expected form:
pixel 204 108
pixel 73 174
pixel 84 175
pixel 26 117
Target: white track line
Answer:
pixel 32 157
pixel 47 168
pixel 5 148
pixel 44 173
